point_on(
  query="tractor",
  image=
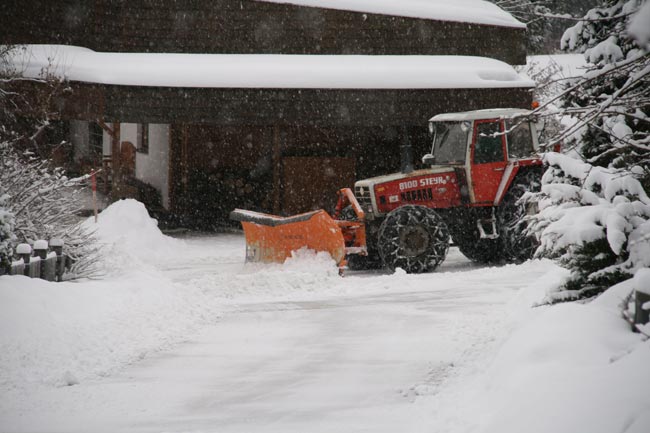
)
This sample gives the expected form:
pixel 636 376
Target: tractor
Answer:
pixel 481 163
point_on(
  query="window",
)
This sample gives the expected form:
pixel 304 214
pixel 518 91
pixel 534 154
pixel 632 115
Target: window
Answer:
pixel 95 139
pixel 450 142
pixel 143 138
pixel 520 140
pixel 489 148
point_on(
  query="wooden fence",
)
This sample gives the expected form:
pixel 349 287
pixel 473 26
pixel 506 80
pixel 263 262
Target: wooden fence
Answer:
pixel 45 260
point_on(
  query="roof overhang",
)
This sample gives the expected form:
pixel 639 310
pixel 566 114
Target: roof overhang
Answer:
pixel 266 71
pixel 465 11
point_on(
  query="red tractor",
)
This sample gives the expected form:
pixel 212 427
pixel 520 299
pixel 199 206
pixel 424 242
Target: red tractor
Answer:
pixel 481 163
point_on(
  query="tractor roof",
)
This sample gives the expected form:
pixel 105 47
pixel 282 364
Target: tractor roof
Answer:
pixel 492 113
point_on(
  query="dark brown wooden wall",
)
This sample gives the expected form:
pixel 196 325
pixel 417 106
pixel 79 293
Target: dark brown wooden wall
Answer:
pixel 246 26
pixel 315 107
pixel 284 170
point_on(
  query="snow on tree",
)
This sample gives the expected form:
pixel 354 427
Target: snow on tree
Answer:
pixel 7 236
pixel 37 200
pixel 595 220
pixel 533 14
pixel 594 208
pixel 42 203
pixel 611 102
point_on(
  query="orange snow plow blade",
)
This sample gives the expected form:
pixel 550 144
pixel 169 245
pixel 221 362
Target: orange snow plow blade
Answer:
pixel 271 238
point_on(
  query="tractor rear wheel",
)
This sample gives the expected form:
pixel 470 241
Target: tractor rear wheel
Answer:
pixel 518 246
pixel 477 249
pixel 414 238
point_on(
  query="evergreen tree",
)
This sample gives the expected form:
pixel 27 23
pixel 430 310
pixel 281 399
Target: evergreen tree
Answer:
pixel 612 101
pixel 594 208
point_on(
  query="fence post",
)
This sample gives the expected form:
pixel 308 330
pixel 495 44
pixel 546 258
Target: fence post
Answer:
pixel 57 246
pixel 40 250
pixel 17 267
pixel 25 253
pixel 641 315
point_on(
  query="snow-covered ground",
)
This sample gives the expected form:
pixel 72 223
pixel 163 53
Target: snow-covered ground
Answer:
pixel 181 335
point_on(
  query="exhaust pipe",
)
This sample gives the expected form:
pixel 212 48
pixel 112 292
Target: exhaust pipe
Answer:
pixel 406 149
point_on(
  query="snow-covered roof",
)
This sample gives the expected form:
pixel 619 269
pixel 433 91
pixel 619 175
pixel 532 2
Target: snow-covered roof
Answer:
pixel 267 70
pixel 466 11
pixel 492 113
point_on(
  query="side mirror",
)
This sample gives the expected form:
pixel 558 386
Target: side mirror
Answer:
pixel 428 159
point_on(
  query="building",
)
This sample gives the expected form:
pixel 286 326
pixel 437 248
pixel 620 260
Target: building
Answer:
pixel 266 105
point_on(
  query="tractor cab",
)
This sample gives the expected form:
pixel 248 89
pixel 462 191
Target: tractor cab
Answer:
pixel 487 135
pixel 487 144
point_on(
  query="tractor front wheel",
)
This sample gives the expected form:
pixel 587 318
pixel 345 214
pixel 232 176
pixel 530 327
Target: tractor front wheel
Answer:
pixel 414 238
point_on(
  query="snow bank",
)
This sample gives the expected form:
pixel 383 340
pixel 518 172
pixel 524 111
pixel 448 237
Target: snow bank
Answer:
pixel 133 237
pixel 468 11
pixel 158 292
pixel 57 334
pixel 62 333
pixel 570 368
pixel 266 70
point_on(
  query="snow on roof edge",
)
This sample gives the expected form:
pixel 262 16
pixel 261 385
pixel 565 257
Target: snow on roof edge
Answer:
pixel 266 70
pixel 480 114
pixel 466 11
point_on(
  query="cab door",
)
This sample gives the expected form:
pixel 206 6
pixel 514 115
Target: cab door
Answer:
pixel 488 159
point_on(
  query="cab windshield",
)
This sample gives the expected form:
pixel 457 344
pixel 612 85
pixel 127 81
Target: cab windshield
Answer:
pixel 450 141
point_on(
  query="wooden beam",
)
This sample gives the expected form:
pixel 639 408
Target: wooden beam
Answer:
pixel 277 169
pixel 105 127
pixel 115 161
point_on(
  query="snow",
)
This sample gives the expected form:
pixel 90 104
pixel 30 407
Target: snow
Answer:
pixel 581 203
pixel 568 65
pixel 493 113
pixel 23 249
pixel 569 368
pixel 184 336
pixel 266 70
pixel 639 27
pixel 642 281
pixel 606 51
pixel 40 244
pixel 469 11
pixel 127 227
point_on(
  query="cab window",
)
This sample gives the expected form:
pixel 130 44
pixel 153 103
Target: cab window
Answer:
pixel 520 139
pixel 489 148
pixel 450 142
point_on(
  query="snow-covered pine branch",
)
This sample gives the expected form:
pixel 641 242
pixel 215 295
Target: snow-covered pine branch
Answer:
pixel 594 210
pixel 595 220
